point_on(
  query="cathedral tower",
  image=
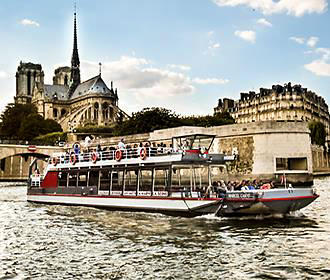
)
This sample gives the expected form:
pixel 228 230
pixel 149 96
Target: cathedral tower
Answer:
pixel 27 76
pixel 75 62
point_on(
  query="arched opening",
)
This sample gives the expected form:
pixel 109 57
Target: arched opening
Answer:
pixel 66 80
pixel 105 112
pixel 55 113
pixel 63 112
pixel 29 83
pixel 96 111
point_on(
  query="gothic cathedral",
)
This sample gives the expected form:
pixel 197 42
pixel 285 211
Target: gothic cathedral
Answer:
pixel 69 101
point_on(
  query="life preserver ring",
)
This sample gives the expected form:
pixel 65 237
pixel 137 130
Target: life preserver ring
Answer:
pixel 73 159
pixel 76 147
pixel 143 153
pixel 95 157
pixel 54 161
pixel 118 155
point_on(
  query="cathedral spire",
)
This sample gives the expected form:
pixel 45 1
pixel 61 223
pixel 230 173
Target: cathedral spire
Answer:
pixel 75 62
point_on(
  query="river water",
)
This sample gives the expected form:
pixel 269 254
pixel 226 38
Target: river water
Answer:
pixel 59 242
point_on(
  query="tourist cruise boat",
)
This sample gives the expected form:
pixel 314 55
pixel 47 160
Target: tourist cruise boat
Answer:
pixel 179 180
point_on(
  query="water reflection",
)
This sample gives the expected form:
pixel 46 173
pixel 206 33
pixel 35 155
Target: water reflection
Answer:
pixel 63 242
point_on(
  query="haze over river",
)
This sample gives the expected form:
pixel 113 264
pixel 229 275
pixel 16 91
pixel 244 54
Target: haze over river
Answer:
pixel 58 242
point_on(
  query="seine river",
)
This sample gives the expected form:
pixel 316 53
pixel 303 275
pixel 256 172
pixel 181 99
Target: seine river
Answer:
pixel 57 242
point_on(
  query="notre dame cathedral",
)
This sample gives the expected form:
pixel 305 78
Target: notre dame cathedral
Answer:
pixel 69 101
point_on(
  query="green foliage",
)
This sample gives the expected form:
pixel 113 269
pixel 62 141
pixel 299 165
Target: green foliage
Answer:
pixel 150 119
pixel 12 118
pixel 21 121
pixel 51 138
pixel 95 129
pixel 207 121
pixel 147 120
pixel 318 132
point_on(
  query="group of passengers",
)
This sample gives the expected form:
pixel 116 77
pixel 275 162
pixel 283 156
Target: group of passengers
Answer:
pixel 221 187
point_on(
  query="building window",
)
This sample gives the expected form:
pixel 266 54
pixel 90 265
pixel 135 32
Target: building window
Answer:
pixel 283 164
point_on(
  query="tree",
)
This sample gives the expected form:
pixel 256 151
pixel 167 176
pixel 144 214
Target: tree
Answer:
pixel 318 133
pixel 150 119
pixel 22 121
pixel 207 121
pixel 12 118
pixel 147 120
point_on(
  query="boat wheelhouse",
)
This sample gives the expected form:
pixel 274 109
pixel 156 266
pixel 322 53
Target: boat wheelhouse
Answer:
pixel 177 180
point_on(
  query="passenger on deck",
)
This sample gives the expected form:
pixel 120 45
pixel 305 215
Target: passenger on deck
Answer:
pixel 121 144
pixel 266 186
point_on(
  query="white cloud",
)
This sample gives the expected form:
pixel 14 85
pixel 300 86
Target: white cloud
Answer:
pixel 214 46
pixel 29 22
pixel 212 81
pixel 264 22
pixel 299 40
pixel 3 75
pixel 312 41
pixel 138 76
pixel 247 35
pixel 141 84
pixel 180 67
pixel 319 67
pixel 290 7
pixel 325 52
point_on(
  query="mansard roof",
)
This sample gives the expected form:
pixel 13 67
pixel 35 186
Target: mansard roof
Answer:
pixel 95 85
pixel 59 92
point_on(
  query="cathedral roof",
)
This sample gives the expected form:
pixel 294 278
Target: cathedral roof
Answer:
pixel 56 91
pixel 95 85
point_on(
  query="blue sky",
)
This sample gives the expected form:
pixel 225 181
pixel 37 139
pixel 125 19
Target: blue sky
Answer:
pixel 182 55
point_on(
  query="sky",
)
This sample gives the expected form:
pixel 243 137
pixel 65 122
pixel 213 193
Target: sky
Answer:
pixel 180 55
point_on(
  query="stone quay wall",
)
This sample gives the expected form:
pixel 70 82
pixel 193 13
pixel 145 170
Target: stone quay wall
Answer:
pixel 259 145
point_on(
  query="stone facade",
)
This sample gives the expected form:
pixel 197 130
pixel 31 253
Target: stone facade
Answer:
pixel 69 101
pixel 280 103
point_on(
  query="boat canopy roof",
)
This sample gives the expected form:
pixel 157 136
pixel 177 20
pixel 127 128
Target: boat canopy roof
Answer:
pixel 193 141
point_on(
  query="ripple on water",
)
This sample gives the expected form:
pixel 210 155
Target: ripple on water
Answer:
pixel 62 242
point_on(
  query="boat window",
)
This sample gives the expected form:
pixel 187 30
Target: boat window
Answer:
pixel 73 179
pixel 145 182
pixel 117 182
pixel 82 179
pixel 93 178
pixel 200 177
pixel 62 179
pixel 130 182
pixel 161 180
pixel 105 177
pixel 181 178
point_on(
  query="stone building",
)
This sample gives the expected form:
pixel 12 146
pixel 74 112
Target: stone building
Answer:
pixel 280 103
pixel 69 101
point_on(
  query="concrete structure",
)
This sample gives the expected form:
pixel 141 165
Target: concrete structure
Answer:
pixel 69 101
pixel 280 103
pixel 266 150
pixel 15 159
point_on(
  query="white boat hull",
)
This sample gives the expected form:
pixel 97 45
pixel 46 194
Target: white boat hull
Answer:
pixel 188 206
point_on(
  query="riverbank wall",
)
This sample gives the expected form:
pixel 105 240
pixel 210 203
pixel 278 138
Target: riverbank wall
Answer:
pixel 266 150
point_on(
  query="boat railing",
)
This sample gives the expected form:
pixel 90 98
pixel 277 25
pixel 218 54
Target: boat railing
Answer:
pixel 113 154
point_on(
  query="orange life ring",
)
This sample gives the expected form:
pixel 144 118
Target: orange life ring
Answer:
pixel 54 161
pixel 95 157
pixel 118 155
pixel 143 153
pixel 73 159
